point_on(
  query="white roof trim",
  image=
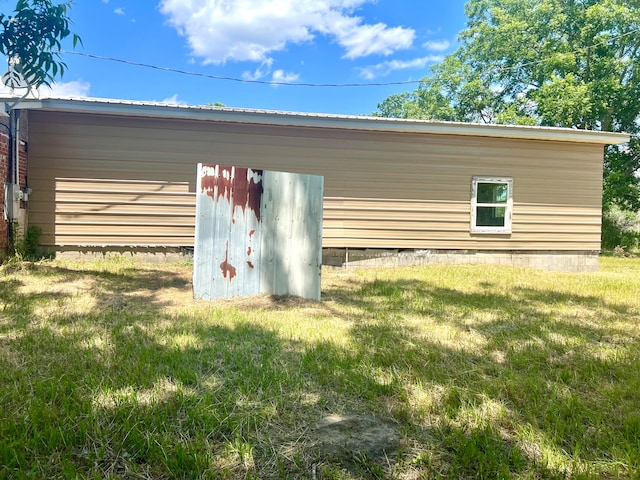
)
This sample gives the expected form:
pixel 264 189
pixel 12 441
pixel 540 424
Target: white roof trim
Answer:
pixel 348 122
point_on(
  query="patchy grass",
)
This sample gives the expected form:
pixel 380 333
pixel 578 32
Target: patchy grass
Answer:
pixel 109 370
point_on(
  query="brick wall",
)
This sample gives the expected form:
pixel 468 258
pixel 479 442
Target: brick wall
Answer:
pixel 4 166
pixel 4 175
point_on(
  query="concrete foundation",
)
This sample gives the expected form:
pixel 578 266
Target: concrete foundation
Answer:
pixel 567 261
pixel 150 254
pixel 563 261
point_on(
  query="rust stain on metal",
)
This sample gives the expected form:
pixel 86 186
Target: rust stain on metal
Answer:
pixel 255 196
pixel 223 181
pixel 250 264
pixel 248 251
pixel 251 233
pixel 226 267
pixel 234 185
pixel 247 193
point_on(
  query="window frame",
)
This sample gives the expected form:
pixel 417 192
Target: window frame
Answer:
pixel 506 228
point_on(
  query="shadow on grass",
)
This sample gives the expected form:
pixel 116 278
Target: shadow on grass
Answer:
pixel 105 287
pixel 566 381
pixel 502 383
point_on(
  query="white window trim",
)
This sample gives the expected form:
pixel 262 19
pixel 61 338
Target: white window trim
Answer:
pixel 474 204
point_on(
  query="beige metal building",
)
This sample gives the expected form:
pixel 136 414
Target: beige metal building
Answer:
pixel 115 175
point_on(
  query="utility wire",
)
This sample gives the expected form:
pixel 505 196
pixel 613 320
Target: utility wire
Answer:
pixel 292 84
pixel 234 79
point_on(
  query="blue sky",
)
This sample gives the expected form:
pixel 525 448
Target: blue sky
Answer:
pixel 294 41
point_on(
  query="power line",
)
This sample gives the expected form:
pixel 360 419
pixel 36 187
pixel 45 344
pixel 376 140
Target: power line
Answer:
pixel 292 84
pixel 234 79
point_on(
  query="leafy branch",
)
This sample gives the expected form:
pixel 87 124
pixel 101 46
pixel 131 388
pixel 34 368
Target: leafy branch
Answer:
pixel 31 37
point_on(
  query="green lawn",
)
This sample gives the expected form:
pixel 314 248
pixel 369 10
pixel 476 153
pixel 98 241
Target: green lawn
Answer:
pixel 109 370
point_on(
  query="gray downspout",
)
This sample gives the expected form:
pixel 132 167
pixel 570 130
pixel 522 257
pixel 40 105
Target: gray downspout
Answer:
pixel 9 176
pixel 16 147
pixel 14 156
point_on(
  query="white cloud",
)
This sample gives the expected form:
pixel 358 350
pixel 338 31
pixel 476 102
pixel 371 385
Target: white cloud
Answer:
pixel 250 30
pixel 280 76
pixel 262 71
pixel 437 45
pixel 7 92
pixel 119 11
pixel 385 68
pixel 173 100
pixel 74 89
pixel 364 40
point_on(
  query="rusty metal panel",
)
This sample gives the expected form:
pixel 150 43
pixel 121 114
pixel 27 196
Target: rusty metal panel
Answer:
pixel 227 228
pixel 257 232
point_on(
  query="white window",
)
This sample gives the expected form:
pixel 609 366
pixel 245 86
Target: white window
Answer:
pixel 491 204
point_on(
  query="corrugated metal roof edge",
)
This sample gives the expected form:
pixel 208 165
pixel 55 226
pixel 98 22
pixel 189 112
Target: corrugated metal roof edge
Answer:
pixel 349 122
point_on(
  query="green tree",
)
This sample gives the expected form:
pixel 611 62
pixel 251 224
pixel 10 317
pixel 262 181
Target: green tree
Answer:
pixel 567 63
pixel 621 186
pixel 31 37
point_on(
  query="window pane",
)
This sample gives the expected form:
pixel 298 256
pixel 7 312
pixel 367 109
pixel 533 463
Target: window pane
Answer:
pixel 490 216
pixel 493 192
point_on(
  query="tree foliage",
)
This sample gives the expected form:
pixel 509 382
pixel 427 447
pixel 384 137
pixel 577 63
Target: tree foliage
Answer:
pixel 31 37
pixel 567 63
pixel 621 186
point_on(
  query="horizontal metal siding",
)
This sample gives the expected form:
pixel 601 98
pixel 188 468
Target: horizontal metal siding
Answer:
pixel 114 212
pixel 101 180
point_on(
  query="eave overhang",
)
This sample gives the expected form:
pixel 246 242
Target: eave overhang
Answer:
pixel 315 120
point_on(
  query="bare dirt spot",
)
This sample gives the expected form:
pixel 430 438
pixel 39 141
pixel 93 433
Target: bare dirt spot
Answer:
pixel 352 438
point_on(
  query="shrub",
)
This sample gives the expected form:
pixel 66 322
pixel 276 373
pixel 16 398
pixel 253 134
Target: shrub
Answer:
pixel 620 228
pixel 24 244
